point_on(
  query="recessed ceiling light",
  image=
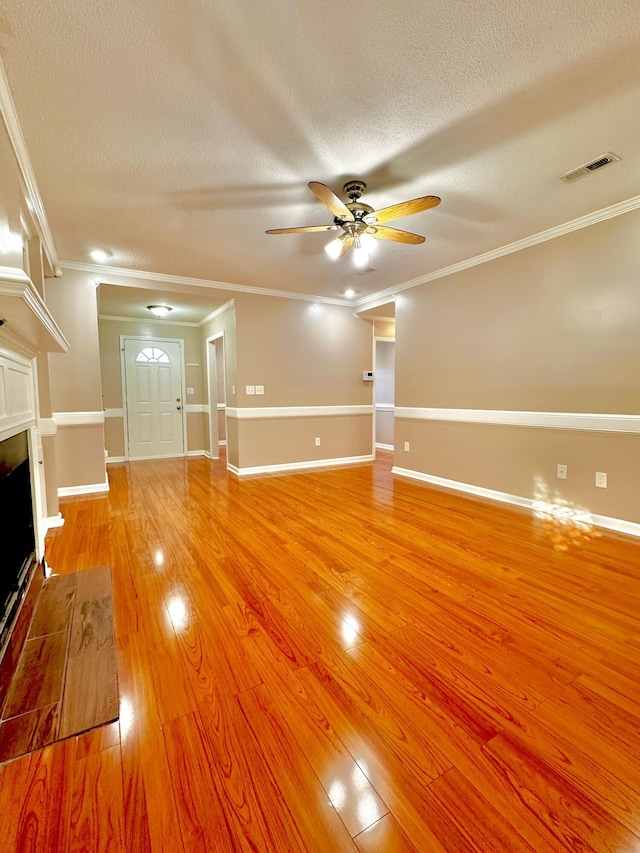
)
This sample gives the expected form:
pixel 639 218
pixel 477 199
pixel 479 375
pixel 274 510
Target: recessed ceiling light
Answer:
pixel 349 293
pixel 99 255
pixel 159 310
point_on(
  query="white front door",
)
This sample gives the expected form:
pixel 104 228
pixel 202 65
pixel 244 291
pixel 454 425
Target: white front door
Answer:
pixel 153 374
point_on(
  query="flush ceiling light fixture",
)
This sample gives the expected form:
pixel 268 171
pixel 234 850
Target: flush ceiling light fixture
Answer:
pixel 159 310
pixel 360 224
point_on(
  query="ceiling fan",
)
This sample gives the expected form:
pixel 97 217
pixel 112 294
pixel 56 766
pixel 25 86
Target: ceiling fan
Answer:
pixel 360 224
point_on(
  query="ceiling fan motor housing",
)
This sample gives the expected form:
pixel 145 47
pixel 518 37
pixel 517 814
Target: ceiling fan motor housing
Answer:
pixel 354 189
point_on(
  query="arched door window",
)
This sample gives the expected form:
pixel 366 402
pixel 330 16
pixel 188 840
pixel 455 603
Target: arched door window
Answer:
pixel 152 355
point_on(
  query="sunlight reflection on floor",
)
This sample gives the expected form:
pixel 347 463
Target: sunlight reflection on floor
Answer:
pixel 566 525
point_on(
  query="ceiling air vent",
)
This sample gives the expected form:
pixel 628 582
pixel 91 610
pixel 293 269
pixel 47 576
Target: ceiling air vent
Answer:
pixel 366 270
pixel 587 168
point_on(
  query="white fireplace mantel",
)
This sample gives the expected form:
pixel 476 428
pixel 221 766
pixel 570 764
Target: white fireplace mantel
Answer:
pixel 28 326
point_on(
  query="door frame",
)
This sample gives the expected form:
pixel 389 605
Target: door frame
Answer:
pixel 125 401
pixel 213 407
pixel 377 338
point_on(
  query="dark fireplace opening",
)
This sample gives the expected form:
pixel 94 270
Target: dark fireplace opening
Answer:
pixel 16 513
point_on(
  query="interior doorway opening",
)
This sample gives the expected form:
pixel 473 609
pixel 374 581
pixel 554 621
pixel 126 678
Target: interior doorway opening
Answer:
pixel 384 392
pixel 217 393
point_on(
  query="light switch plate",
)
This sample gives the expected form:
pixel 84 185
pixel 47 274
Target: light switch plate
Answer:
pixel 562 472
pixel 259 389
pixel 191 391
pixel 250 390
pixel 406 446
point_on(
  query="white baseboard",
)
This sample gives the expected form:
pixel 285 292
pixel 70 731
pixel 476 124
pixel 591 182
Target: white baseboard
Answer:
pixel 300 466
pixel 384 446
pixel 222 443
pixel 619 525
pixel 111 459
pixel 88 489
pixel 54 521
pixel 196 452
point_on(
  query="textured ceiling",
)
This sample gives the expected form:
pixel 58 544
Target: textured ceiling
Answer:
pixel 174 132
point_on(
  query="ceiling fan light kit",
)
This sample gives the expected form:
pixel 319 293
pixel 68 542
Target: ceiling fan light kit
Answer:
pixel 360 223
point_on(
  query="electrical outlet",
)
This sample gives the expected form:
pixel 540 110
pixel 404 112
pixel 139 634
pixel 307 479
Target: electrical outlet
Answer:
pixel 250 389
pixel 562 472
pixel 601 480
pixel 259 389
pixel 406 446
pixel 317 441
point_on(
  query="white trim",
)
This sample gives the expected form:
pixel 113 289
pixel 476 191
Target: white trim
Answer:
pixel 54 521
pixel 105 271
pixel 222 443
pixel 88 489
pixel 525 243
pixel 300 466
pixel 196 452
pixel 217 312
pixel 114 413
pixel 36 207
pixel 385 407
pixel 619 525
pixel 545 420
pixel 47 426
pixel 111 459
pixel 221 407
pixel 16 284
pixel 147 320
pixel 384 446
pixel 262 413
pixel 66 419
pixel 195 408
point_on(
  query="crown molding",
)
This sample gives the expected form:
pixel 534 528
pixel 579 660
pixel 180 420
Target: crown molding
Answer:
pixel 30 185
pixel 217 312
pixel 103 270
pixel 147 320
pixel 550 234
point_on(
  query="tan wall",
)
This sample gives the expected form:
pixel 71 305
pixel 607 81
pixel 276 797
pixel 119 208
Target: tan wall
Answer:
pixel 384 328
pixel 114 437
pixel 75 379
pixel 304 353
pixel 196 422
pixel 75 375
pixel 80 455
pixel 285 440
pixel 550 328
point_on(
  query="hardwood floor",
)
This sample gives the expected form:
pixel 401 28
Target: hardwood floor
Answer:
pixel 338 661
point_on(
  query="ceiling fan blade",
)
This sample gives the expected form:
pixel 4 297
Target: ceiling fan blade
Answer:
pixel 407 208
pixel 303 230
pixel 331 200
pixel 383 232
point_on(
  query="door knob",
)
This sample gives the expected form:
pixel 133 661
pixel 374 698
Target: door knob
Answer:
pixel 177 399
pixel 178 408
